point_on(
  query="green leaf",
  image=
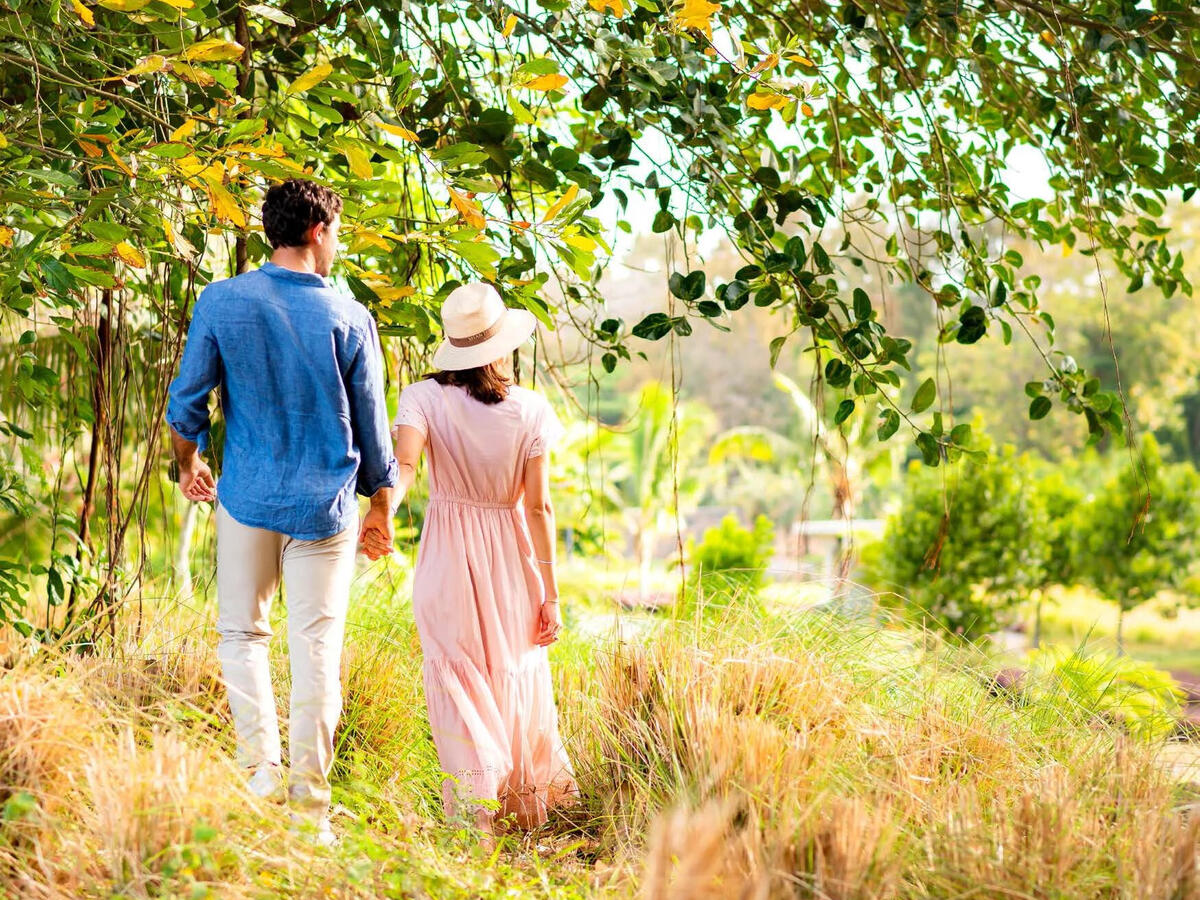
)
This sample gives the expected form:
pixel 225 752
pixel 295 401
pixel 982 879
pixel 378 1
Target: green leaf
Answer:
pixel 776 347
pixel 1039 408
pixel 654 327
pixel 689 287
pixel 888 425
pixel 862 305
pixel 925 395
pixel 931 451
pixel 972 325
pixel 845 408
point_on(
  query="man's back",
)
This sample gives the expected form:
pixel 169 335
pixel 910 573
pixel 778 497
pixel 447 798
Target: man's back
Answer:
pixel 301 392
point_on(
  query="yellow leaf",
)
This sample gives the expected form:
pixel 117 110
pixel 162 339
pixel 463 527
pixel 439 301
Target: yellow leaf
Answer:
pixel 768 62
pixel 399 131
pixel 364 238
pixel 386 292
pixel 152 63
pixel 696 14
pixel 807 110
pixel 1048 39
pixel 214 50
pixel 120 162
pixel 310 79
pixel 509 24
pixel 179 4
pixel 124 5
pixel 3 142
pixel 130 255
pixel 181 244
pixel 1067 249
pixel 224 204
pixel 547 83
pixel 804 61
pixel 468 209
pixel 192 74
pixel 600 6
pixel 85 15
pixel 187 129
pixel 360 165
pixel 91 149
pixel 561 203
pixel 6 236
pixel 581 242
pixel 766 100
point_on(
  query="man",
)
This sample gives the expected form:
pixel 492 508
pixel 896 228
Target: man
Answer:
pixel 301 380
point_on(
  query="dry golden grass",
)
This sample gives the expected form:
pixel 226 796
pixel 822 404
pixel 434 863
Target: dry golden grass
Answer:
pixel 807 772
pixel 809 756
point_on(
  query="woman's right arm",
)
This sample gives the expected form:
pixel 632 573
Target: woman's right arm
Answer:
pixel 410 443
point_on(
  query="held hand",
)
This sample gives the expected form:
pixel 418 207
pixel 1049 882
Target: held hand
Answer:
pixel 550 624
pixel 377 534
pixel 196 482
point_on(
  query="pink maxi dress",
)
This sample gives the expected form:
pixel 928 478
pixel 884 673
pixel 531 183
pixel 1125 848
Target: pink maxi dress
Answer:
pixel 476 598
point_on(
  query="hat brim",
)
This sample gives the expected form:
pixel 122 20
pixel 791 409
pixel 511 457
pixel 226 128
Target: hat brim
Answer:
pixel 516 328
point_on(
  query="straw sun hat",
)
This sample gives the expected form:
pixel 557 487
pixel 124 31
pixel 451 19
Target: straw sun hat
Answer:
pixel 479 328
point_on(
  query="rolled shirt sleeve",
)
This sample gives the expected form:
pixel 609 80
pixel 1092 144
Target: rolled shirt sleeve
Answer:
pixel 199 373
pixel 368 410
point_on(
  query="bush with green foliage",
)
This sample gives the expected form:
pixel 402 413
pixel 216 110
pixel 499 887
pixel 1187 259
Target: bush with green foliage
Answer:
pixel 1143 700
pixel 729 564
pixel 967 545
pixel 1137 535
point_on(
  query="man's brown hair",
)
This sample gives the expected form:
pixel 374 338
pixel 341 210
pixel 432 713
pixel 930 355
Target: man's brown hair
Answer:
pixel 293 207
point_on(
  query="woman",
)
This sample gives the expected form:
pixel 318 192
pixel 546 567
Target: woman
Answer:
pixel 484 591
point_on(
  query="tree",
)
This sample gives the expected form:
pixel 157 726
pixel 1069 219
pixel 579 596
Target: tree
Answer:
pixel 477 140
pixel 964 552
pixel 1138 535
pixel 1060 500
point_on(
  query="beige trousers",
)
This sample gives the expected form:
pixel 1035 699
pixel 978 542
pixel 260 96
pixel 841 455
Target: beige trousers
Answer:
pixel 317 576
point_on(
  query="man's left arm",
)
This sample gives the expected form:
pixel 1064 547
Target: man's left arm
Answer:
pixel 187 409
pixel 377 469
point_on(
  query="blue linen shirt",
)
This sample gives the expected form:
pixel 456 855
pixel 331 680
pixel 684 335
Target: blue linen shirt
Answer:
pixel 301 379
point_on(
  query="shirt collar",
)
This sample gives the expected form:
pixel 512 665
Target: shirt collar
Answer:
pixel 275 271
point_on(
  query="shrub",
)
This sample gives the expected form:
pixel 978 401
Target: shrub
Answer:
pixel 729 563
pixel 1137 535
pixel 967 545
pixel 1144 700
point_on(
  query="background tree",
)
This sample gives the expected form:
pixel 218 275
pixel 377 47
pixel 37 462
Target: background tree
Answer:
pixel 965 546
pixel 1137 546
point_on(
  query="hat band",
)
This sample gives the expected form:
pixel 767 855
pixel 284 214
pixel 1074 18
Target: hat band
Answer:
pixel 474 339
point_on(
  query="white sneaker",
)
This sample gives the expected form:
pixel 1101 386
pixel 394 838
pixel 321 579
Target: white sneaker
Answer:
pixel 267 783
pixel 319 831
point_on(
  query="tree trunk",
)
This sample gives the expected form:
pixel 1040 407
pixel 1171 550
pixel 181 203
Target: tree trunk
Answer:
pixel 99 420
pixel 1037 621
pixel 1121 631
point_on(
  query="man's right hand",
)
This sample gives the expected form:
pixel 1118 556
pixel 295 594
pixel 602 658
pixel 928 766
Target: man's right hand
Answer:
pixel 196 481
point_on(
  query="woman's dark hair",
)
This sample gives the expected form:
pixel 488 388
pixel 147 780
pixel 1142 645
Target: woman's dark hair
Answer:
pixel 487 384
pixel 293 207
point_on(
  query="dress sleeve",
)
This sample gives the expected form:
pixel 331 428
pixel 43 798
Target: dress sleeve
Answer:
pixel 549 431
pixel 409 411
